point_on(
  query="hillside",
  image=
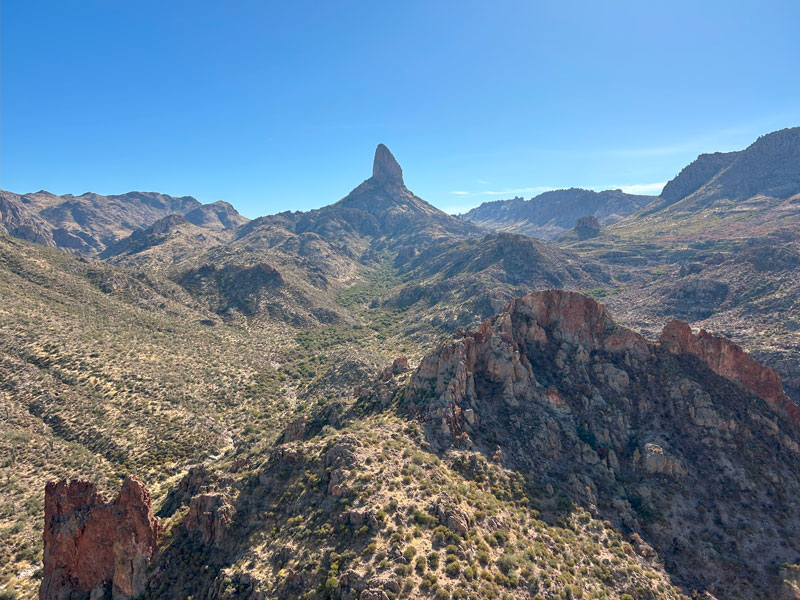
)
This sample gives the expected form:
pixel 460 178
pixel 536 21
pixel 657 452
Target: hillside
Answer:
pixel 105 372
pixel 549 453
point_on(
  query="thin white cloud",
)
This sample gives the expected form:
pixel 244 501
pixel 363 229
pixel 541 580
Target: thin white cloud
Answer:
pixel 507 192
pixel 647 189
pixel 458 209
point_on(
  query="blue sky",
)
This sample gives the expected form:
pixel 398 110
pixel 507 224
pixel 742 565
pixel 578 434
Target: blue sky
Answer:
pixel 279 106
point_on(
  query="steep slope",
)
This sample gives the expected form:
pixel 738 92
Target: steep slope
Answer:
pixel 106 371
pixel 748 193
pixel 646 435
pixel 551 214
pixel 693 177
pixel 17 221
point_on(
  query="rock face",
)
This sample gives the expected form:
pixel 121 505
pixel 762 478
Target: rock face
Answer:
pixel 674 449
pixel 92 546
pixel 730 361
pixel 494 352
pixel 209 514
pixel 385 167
pixel 587 227
pixel 16 221
pixel 696 174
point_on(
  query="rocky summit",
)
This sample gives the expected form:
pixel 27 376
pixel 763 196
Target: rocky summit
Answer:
pixel 385 167
pixel 375 399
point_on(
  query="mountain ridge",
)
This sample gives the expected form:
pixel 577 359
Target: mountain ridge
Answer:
pixel 553 213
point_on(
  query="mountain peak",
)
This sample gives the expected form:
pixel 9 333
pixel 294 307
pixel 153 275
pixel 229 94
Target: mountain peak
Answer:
pixel 385 167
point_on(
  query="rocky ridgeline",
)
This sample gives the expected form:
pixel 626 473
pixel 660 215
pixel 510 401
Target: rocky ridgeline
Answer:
pixel 696 456
pixel 730 361
pixel 494 353
pixel 93 547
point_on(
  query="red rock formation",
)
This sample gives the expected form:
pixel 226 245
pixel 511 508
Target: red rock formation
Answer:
pixel 730 361
pixel 496 349
pixel 575 318
pixel 91 545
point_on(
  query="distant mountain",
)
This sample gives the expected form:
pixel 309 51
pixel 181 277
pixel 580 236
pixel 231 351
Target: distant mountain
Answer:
pixel 553 213
pixel 751 192
pixel 17 221
pixel 90 223
pixel 720 247
pixel 381 246
pixel 695 175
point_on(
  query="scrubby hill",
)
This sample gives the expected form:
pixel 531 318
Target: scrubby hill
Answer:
pixel 105 372
pixel 551 453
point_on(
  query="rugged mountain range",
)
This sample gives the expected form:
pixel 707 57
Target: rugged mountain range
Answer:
pixel 553 213
pixel 380 244
pixel 90 223
pixel 748 193
pixel 719 248
pixel 370 400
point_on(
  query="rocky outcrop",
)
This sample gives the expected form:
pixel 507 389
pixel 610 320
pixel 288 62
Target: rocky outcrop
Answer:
pixel 496 352
pixel 730 361
pixel 16 221
pixel 95 547
pixel 385 167
pixel 218 216
pixel 210 515
pixel 587 227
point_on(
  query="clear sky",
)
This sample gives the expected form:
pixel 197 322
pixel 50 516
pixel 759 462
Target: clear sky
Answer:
pixel 279 105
